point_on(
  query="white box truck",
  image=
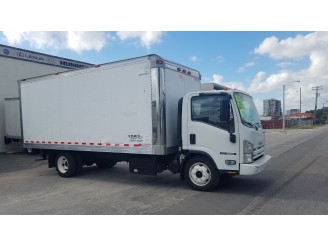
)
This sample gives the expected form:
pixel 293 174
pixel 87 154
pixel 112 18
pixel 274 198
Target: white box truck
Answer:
pixel 146 111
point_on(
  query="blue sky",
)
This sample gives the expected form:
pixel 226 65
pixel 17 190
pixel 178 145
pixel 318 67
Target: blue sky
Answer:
pixel 255 45
pixel 259 62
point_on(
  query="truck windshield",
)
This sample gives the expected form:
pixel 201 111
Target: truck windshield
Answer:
pixel 247 110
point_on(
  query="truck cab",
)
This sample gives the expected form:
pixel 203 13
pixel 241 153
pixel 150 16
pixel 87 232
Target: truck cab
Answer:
pixel 221 134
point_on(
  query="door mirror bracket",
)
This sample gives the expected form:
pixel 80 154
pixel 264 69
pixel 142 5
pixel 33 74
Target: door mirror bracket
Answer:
pixel 232 138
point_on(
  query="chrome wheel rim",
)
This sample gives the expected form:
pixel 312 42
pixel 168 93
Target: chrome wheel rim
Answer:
pixel 62 164
pixel 200 174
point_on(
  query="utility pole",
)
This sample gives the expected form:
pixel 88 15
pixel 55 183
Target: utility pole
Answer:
pixel 283 104
pixel 283 107
pixel 323 111
pixel 299 123
pixel 316 89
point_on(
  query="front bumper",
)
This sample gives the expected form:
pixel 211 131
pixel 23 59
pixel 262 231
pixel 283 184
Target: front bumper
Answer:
pixel 255 167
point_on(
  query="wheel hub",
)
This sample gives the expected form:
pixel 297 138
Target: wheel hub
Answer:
pixel 200 174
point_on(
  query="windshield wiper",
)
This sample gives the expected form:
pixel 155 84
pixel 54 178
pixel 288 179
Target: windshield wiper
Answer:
pixel 251 125
pixel 259 125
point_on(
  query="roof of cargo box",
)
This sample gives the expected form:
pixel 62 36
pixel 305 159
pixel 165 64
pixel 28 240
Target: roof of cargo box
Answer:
pixel 156 61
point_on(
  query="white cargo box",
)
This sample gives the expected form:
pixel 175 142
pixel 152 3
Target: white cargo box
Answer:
pixel 129 106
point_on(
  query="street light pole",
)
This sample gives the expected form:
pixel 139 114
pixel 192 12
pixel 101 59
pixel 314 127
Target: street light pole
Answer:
pixel 300 105
pixel 283 107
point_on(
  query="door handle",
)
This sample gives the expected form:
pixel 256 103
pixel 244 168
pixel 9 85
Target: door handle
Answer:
pixel 192 138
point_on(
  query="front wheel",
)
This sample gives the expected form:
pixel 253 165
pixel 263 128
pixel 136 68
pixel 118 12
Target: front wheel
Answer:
pixel 201 174
pixel 66 164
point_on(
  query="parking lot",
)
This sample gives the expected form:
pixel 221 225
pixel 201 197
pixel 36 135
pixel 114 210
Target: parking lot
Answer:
pixel 26 181
pixel 28 186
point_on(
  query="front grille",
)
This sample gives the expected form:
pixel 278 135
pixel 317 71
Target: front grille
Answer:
pixel 259 157
pixel 258 152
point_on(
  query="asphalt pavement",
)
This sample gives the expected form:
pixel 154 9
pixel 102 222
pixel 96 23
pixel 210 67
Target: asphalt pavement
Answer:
pixel 294 183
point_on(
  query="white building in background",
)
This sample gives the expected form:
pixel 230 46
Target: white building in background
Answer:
pixel 16 64
pixel 272 107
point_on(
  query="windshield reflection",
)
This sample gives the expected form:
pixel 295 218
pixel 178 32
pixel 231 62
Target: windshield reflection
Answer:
pixel 247 110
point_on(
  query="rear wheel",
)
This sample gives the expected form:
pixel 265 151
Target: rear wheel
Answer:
pixel 30 151
pixel 201 174
pixel 66 164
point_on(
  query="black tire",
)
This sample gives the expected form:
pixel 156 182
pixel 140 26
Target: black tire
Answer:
pixel 105 164
pixel 201 174
pixel 66 164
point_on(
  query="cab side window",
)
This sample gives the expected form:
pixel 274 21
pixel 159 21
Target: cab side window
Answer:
pixel 211 109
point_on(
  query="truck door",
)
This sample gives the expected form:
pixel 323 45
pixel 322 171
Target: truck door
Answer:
pixel 211 129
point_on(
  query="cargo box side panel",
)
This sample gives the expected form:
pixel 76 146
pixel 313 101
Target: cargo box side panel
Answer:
pixel 176 86
pixel 101 109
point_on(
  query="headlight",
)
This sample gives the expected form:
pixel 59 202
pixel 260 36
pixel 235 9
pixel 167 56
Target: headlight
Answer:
pixel 248 152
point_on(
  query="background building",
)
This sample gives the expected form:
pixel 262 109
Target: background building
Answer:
pixel 293 111
pixel 16 64
pixel 272 107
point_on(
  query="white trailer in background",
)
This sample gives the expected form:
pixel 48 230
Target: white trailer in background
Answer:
pixel 16 64
pixel 12 120
pixel 13 130
pixel 147 111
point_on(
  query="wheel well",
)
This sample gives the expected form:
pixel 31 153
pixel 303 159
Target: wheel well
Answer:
pixel 52 157
pixel 190 155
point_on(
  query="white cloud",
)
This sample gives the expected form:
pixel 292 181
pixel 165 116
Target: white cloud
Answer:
pixel 76 41
pixel 218 79
pixel 286 64
pixel 314 47
pixel 297 47
pixel 13 37
pixel 194 58
pixel 245 66
pixel 261 83
pixel 145 39
pixel 39 40
pixel 81 41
